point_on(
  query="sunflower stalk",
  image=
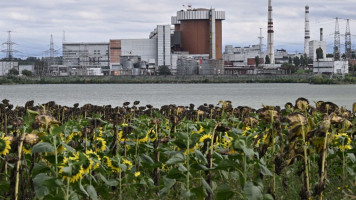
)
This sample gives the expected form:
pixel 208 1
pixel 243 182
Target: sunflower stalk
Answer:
pixel 187 176
pixel 67 190
pixel 18 164
pixel 157 155
pixel 273 154
pixel 305 156
pixel 323 163
pixel 210 160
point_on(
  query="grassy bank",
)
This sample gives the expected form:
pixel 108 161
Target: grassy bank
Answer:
pixel 312 79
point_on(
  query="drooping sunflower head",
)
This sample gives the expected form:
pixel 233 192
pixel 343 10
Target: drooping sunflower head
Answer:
pixel 87 163
pixel 342 141
pixel 101 143
pixel 152 135
pixel 94 157
pixel 4 146
pixel 204 137
pixel 112 164
pixel 71 168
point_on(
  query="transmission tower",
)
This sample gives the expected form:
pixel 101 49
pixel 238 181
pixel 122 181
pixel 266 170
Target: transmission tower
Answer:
pixel 337 41
pixel 348 51
pixel 9 44
pixel 51 49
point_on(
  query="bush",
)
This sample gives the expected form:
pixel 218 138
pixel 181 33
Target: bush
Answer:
pixel 26 72
pixel 13 71
pixel 164 70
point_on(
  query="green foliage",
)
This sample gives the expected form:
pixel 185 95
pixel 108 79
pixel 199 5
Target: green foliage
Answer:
pixel 26 72
pixel 319 53
pixel 13 72
pixel 164 70
pixel 296 61
pixel 267 60
pixel 171 153
pixel 257 61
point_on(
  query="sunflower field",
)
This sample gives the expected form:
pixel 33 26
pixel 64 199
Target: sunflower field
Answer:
pixel 301 151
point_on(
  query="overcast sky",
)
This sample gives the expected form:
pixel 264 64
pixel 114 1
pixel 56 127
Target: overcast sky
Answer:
pixel 33 21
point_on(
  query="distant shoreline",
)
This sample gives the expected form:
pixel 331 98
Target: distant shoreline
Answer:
pixel 310 79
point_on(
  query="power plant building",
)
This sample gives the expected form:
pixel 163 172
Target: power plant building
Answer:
pixel 199 31
pixel 84 56
pixel 313 46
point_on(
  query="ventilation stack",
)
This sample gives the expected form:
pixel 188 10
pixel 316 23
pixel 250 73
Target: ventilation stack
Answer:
pixel 270 39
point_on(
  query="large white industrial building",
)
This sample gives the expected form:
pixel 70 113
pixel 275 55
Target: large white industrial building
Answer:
pixel 83 58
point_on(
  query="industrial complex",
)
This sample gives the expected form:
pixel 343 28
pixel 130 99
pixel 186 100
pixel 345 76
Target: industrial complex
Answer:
pixel 192 45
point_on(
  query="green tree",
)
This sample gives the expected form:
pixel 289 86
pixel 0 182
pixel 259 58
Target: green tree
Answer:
pixel 164 70
pixel 290 61
pixel 13 71
pixel 302 61
pixel 296 61
pixel 267 60
pixel 26 72
pixel 319 53
pixel 257 60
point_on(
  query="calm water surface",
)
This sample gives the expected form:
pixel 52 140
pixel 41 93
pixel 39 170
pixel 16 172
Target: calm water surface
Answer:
pixel 252 95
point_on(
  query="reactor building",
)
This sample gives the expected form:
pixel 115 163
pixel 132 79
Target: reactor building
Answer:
pixel 198 31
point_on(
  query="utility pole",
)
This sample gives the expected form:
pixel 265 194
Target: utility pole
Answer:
pixel 337 45
pixel 348 51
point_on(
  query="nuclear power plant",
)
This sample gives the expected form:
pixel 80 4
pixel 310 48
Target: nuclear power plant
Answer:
pixel 192 44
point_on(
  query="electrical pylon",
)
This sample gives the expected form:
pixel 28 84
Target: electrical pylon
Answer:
pixel 348 51
pixel 337 41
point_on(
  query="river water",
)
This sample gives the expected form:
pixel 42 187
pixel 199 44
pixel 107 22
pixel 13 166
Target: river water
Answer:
pixel 253 95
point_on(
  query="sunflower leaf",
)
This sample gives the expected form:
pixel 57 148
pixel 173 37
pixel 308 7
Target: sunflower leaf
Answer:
pixel 40 189
pixel 92 192
pixel 42 148
pixel 176 158
pixel 199 155
pixel 206 186
pixel 69 148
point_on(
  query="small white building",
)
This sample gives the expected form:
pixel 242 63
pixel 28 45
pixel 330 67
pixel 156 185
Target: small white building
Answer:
pixel 6 66
pixel 30 68
pixel 331 67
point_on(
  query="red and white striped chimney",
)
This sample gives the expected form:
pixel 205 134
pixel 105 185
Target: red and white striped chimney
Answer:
pixel 307 32
pixel 270 36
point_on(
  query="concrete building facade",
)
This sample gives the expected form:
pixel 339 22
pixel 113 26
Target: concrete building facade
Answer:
pixel 6 66
pixel 313 46
pixel 331 67
pixel 82 56
pixel 200 31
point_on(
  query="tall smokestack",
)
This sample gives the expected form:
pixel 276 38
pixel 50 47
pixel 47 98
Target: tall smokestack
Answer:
pixel 270 39
pixel 307 32
pixel 321 34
